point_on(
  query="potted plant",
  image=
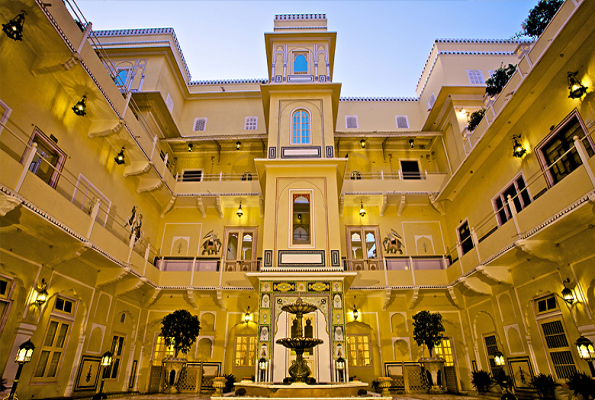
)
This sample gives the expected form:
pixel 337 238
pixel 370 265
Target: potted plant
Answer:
pixel 427 330
pixel 474 119
pixel 582 384
pixel 539 17
pixel 545 386
pixel 499 79
pixel 482 380
pixel 180 330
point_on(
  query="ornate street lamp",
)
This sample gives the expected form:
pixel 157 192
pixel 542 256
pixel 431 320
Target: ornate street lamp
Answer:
pixel 586 352
pixel 247 316
pixel 518 150
pixel 340 365
pixel 106 361
pixel 262 367
pixel 23 357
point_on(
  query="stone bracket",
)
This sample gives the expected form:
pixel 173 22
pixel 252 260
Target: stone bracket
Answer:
pixel 107 132
pixel 438 206
pixel 219 300
pixel 190 298
pixel 496 273
pixel 476 285
pixel 169 206
pixel 414 298
pixel 384 204
pixel 388 298
pixel 137 168
pixel 219 206
pixel 401 205
pixel 7 204
pixel 201 207
pixel 149 184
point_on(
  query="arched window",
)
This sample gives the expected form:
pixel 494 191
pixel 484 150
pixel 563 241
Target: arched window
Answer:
pixel 300 127
pixel 300 64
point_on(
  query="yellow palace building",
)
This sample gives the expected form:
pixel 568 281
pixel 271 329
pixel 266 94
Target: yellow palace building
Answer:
pixel 129 190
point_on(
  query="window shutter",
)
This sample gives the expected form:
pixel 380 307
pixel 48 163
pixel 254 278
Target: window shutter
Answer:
pixel 200 125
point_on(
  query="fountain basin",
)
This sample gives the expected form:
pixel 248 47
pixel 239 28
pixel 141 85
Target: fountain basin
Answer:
pixel 299 343
pixel 299 308
pixel 302 391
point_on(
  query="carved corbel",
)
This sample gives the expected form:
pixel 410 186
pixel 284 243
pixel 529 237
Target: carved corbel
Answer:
pixel 401 205
pixel 476 285
pixel 201 207
pixel 438 206
pixel 219 207
pixel 496 273
pixel 388 298
pixel 151 300
pixel 384 204
pixel 149 184
pixel 128 286
pixel 7 204
pixel 169 206
pixel 453 297
pixel 544 249
pixel 414 298
pixel 137 168
pixel 107 132
pixel 219 300
pixel 190 298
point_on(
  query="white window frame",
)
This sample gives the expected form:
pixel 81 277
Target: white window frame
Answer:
pixel 312 220
pixel 196 120
pixel 548 313
pixel 241 231
pixel 347 117
pixel 292 61
pixel 421 174
pixel 52 349
pixel 309 127
pixel 5 115
pixel 397 121
pixel 473 75
pixel 370 352
pixel 513 182
pixel 126 82
pixel 103 198
pixel 250 123
pixel 251 361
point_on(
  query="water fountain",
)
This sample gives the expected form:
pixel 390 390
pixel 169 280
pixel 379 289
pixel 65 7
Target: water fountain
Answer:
pixel 299 369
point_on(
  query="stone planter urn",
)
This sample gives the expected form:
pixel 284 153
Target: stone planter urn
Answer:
pixel 384 383
pixel 219 384
pixel 435 367
pixel 173 368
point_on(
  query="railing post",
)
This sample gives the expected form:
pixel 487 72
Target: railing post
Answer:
pixel 154 146
pixel 513 213
pixel 459 247
pixel 382 174
pixel 147 254
pixel 28 160
pixel 475 242
pixel 128 96
pixel 165 164
pixel 400 175
pixel 94 213
pixel 86 32
pixel 582 152
pixel 220 176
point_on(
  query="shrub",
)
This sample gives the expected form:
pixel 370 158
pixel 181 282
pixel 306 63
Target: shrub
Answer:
pixel 475 118
pixel 230 380
pixel 582 384
pixel 482 380
pixel 539 17
pixel 544 385
pixel 499 79
pixel 240 392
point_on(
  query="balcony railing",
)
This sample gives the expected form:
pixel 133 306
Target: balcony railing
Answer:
pixel 398 181
pixel 398 263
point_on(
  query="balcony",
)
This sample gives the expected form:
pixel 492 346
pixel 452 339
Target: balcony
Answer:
pixel 219 184
pixel 399 182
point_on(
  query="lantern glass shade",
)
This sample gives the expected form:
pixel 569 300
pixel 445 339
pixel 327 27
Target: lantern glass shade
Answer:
pixel 190 146
pixel 238 145
pixel 14 28
pixel 106 359
pixel 499 358
pixel 518 150
pixel 340 363
pixel 247 317
pixel 411 143
pixel 585 348
pixel 42 297
pixel 363 143
pixel 25 352
pixel 355 313
pixel 575 87
pixel 120 157
pixel 80 108
pixel 362 212
pixel 262 364
pixel 240 212
pixel 567 295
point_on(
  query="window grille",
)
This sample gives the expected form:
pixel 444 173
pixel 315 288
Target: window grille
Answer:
pixel 250 123
pixel 351 122
pixel 431 101
pixel 475 77
pixel 200 125
pixel 402 121
pixel 555 338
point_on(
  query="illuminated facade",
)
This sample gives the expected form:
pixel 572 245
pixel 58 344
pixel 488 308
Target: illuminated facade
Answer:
pixel 128 190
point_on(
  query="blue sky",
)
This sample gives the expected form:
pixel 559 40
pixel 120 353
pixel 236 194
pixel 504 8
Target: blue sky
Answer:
pixel 381 45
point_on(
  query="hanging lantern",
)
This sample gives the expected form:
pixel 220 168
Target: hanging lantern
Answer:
pixel 362 212
pixel 576 88
pixel 80 108
pixel 120 157
pixel 14 28
pixel 240 212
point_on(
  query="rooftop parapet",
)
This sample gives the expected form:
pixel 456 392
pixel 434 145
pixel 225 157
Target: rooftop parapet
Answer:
pixel 300 22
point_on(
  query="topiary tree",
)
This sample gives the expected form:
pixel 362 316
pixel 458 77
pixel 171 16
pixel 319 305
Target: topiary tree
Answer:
pixel 427 329
pixel 539 17
pixel 180 330
pixel 499 78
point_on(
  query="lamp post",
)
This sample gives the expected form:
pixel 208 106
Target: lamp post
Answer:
pixel 23 357
pixel 340 364
pixel 106 361
pixel 262 366
pixel 586 352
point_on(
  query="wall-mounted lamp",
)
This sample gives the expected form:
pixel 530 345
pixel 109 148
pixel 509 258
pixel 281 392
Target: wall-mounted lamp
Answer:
pixel 567 294
pixel 355 313
pixel 299 217
pixel 238 145
pixel 42 293
pixel 362 143
pixel 23 356
pixel 120 157
pixel 14 28
pixel 247 316
pixel 80 108
pixel 499 358
pixel 240 212
pixel 576 88
pixel 190 147
pixel 362 212
pixel 586 352
pixel 518 150
pixel 411 143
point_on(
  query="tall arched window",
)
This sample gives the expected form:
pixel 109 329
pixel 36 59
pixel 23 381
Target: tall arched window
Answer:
pixel 300 127
pixel 300 64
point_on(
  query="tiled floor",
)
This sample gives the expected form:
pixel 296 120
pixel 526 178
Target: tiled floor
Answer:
pixel 207 397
